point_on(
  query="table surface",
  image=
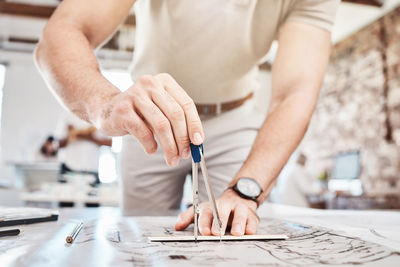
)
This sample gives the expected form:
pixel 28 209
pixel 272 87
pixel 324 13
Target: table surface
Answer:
pixel 99 243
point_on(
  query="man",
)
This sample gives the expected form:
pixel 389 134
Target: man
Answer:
pixel 187 54
pixel 77 144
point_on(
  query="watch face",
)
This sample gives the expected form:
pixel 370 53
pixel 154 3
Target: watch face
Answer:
pixel 248 187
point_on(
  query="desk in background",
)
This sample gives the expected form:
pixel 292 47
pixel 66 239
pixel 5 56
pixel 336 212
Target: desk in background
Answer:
pixel 347 201
pixel 54 194
pixel 39 185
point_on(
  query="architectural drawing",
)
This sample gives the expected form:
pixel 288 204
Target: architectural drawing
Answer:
pixel 307 246
pixel 122 241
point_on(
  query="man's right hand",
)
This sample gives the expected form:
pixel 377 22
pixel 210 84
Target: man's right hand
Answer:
pixel 154 106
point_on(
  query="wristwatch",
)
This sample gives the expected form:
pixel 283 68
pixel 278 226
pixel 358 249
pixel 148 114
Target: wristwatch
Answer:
pixel 247 188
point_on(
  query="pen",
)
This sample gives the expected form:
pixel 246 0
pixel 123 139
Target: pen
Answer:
pixel 72 236
pixel 11 232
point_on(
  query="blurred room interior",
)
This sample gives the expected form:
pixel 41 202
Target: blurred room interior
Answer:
pixel 349 159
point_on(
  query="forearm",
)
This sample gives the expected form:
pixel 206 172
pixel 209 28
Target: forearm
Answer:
pixel 62 142
pixel 69 66
pixel 277 138
pixel 102 142
pixel 297 75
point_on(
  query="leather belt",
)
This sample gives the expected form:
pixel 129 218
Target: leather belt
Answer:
pixel 215 109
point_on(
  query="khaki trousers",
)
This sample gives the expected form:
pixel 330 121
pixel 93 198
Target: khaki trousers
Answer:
pixel 149 184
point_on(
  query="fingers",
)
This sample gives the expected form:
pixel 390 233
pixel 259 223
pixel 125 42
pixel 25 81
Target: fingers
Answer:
pixel 160 125
pixel 135 126
pixel 252 224
pixel 120 119
pixel 195 128
pixel 184 219
pixel 224 211
pixel 205 219
pixel 164 107
pixel 162 129
pixel 240 217
pixel 165 116
pixel 245 220
pixel 175 114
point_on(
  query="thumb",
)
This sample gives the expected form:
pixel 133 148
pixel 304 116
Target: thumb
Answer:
pixel 184 219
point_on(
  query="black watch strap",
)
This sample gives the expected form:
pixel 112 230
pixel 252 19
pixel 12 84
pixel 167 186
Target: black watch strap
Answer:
pixel 242 195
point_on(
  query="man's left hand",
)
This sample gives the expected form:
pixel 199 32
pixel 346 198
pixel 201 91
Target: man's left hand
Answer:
pixel 234 211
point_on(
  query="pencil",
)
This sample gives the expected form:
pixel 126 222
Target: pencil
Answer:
pixel 72 236
pixel 11 232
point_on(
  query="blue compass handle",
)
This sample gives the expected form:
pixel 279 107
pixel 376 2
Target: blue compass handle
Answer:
pixel 195 150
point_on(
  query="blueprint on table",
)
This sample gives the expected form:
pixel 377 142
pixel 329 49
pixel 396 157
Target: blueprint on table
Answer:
pixel 123 242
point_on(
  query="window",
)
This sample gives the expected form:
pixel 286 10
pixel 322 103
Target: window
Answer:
pixel 107 165
pixel 120 78
pixel 107 160
pixel 2 82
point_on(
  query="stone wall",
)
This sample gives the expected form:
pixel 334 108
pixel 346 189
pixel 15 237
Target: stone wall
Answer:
pixel 359 107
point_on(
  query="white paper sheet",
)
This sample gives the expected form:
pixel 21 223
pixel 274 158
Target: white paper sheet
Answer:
pixel 116 241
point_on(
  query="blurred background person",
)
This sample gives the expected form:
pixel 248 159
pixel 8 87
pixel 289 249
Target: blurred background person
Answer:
pixel 76 144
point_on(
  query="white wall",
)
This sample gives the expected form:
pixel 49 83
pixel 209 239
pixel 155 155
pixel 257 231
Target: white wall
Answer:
pixel 29 110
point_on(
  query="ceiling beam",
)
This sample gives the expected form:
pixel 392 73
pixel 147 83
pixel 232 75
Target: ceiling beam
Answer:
pixel 19 9
pixel 41 11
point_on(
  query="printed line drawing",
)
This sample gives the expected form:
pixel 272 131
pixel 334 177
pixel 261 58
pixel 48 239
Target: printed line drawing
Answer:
pixel 123 241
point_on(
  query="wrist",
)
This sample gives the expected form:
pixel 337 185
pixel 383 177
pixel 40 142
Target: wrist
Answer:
pixel 253 169
pixel 247 188
pixel 99 108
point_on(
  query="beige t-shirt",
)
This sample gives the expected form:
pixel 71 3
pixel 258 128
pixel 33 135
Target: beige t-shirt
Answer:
pixel 213 47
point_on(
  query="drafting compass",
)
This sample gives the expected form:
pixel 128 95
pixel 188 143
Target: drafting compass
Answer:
pixel 198 159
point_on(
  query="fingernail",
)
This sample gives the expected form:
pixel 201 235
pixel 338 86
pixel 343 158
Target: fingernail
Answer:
pixel 186 153
pixel 174 161
pixel 197 138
